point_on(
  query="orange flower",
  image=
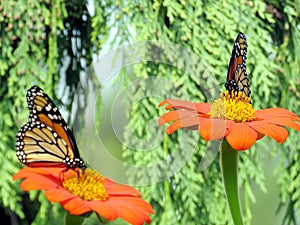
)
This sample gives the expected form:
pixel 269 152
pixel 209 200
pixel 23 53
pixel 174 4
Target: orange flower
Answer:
pixel 87 192
pixel 232 117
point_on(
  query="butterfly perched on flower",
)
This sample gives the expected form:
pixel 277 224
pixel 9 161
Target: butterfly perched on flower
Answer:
pixel 45 140
pixel 237 78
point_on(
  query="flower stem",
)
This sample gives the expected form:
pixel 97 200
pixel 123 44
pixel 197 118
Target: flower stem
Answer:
pixel 72 219
pixel 229 165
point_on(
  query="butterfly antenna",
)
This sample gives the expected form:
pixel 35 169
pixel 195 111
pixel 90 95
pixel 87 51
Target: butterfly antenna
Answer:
pixel 209 94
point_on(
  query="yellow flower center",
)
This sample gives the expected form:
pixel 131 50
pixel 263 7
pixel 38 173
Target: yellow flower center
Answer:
pixel 232 106
pixel 88 185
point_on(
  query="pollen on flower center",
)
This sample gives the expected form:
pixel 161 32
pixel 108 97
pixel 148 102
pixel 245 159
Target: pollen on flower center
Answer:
pixel 88 185
pixel 232 106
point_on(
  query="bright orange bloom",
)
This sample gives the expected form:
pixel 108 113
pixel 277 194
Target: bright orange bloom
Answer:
pixel 88 192
pixel 232 117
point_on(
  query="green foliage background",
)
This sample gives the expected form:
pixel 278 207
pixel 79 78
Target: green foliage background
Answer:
pixel 51 44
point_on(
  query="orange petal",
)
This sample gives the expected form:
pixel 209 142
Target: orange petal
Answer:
pixel 275 112
pixel 175 115
pixel 76 206
pixel 121 190
pixel 241 137
pixel 37 171
pixel 259 136
pixel 173 127
pixel 58 195
pixel 141 203
pixel 136 204
pixel 278 133
pixel 38 183
pixel 203 107
pixel 181 104
pixel 189 123
pixel 104 210
pixel 21 174
pixel 214 129
pixel 283 122
pixel 28 172
pixel 168 117
pixel 163 103
pixel 127 211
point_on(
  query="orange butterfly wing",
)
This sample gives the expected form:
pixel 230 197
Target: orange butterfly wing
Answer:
pixel 46 140
pixel 237 78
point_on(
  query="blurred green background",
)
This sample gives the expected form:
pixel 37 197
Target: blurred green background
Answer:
pixel 52 44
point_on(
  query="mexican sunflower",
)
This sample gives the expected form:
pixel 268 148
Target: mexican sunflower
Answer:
pixel 230 116
pixel 82 192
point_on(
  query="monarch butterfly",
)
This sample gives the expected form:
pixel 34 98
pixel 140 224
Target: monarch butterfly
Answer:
pixel 45 140
pixel 237 78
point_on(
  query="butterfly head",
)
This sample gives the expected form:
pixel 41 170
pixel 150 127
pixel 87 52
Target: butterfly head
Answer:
pixel 231 85
pixel 74 163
